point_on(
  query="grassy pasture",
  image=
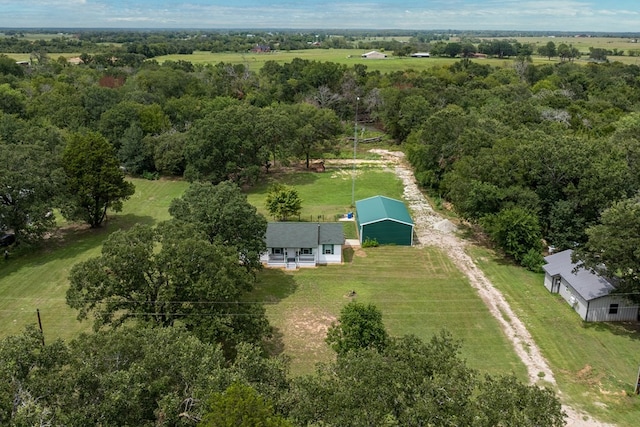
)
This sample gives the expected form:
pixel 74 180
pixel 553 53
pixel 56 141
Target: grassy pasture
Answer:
pixel 351 57
pixel 348 57
pixel 582 43
pixel 328 194
pixel 595 364
pixel 419 292
pixel 32 37
pixel 39 280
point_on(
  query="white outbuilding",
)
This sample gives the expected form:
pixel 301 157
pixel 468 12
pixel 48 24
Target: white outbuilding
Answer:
pixel 589 294
pixel 374 54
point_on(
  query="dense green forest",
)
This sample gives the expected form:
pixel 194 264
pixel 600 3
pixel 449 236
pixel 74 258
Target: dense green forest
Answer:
pixel 526 153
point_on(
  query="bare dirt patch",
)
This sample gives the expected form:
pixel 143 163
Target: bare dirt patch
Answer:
pixel 308 328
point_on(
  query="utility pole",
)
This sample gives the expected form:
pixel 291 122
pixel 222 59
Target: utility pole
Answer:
pixel 355 145
pixel 40 324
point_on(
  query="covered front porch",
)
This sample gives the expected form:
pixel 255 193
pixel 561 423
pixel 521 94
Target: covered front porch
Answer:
pixel 291 259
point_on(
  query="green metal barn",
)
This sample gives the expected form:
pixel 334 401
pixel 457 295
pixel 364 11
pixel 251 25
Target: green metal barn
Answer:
pixel 385 220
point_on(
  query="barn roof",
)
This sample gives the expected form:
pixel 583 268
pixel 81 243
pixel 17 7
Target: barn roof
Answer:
pixel 303 234
pixel 380 208
pixel 587 284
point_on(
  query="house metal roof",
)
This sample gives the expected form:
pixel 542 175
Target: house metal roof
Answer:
pixel 587 284
pixel 380 208
pixel 304 234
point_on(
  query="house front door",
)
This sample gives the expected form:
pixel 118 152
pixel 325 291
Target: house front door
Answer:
pixel 290 255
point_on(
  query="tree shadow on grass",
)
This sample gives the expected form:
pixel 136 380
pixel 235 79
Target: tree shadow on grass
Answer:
pixel 69 242
pixel 274 345
pixel 288 176
pixel 273 285
pixel 82 237
pixel 629 330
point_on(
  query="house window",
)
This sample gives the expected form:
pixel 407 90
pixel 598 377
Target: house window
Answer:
pixel 613 308
pixel 277 251
pixel 327 249
pixel 306 251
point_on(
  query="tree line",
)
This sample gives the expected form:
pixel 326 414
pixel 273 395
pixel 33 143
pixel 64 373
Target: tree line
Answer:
pixel 151 44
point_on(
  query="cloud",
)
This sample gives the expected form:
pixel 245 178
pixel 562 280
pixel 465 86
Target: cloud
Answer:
pixel 569 15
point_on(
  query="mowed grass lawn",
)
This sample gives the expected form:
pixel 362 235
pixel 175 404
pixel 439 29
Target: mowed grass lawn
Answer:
pixel 39 280
pixel 419 292
pixel 327 195
pixel 595 364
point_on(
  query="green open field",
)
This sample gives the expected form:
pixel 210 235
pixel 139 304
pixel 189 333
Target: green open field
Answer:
pixel 39 36
pixel 582 43
pixel 348 57
pixel 39 280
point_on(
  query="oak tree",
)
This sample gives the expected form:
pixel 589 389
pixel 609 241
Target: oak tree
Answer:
pixel 29 186
pixel 613 247
pixel 283 202
pixel 94 181
pixel 359 327
pixel 223 214
pixel 167 275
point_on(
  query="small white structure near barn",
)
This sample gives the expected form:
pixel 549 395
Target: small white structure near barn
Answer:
pixel 303 244
pixel 589 294
pixel 374 54
pixel 421 55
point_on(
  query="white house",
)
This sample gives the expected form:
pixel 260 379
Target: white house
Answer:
pixel 374 54
pixel 303 244
pixel 421 55
pixel 589 294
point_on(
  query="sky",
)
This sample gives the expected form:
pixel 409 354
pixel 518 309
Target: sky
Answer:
pixel 542 15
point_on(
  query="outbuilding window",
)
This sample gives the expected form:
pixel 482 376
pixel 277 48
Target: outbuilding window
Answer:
pixel 613 308
pixel 327 249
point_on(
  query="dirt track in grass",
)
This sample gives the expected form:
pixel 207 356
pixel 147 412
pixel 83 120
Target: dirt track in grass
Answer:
pixel 433 230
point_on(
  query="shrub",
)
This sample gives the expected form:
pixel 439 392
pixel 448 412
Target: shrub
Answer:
pixel 370 243
pixel 533 261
